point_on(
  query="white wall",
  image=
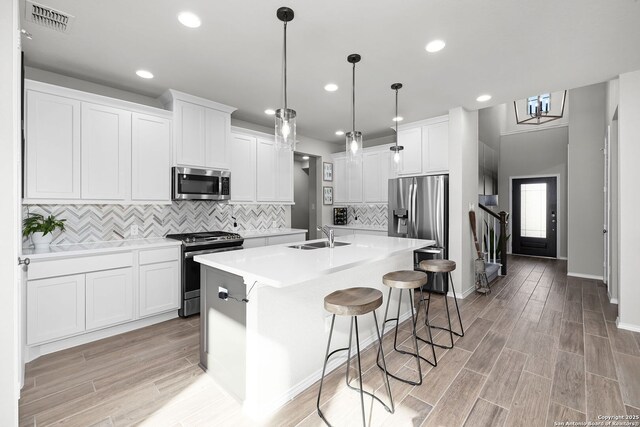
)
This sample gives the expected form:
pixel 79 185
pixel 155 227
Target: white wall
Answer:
pixel 463 191
pixel 629 202
pixel 83 85
pixel 536 153
pixel 585 181
pixel 9 223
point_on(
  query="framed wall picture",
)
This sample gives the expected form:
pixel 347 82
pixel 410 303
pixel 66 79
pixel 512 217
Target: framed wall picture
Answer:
pixel 327 195
pixel 327 171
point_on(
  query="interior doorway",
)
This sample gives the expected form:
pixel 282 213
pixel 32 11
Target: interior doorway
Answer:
pixel 304 212
pixel 535 216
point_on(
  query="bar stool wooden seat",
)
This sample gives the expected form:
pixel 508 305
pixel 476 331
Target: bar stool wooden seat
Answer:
pixel 408 280
pixel 442 266
pixel 354 302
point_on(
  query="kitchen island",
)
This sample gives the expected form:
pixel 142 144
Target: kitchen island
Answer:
pixel 263 325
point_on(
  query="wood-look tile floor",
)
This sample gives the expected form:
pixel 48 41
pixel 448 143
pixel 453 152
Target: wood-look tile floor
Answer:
pixel 540 348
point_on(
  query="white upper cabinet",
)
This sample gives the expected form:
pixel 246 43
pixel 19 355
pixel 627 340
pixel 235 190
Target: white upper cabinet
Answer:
pixel 106 152
pixel 377 168
pixel 190 134
pixel 437 147
pixel 243 167
pixel 284 176
pixel 151 158
pixel 52 146
pixel 340 179
pixel 81 146
pixel 426 147
pixel 411 155
pixel 202 130
pixel 266 173
pixel 354 181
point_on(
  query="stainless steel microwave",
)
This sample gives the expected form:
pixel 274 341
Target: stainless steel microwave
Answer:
pixel 200 184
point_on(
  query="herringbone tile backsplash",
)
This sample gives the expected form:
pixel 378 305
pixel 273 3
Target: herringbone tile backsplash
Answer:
pixel 374 214
pixel 97 223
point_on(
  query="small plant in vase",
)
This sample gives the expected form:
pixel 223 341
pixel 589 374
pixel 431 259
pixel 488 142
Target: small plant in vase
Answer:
pixel 41 229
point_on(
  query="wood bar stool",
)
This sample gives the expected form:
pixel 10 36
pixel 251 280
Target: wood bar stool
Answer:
pixel 407 280
pixel 354 302
pixel 442 266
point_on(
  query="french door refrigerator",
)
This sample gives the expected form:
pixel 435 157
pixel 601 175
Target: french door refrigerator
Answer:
pixel 419 208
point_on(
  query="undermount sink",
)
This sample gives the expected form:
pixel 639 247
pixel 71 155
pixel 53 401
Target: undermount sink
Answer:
pixel 318 245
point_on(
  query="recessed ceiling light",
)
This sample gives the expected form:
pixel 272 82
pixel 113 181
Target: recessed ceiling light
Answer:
pixel 305 157
pixel 398 119
pixel 144 74
pixel 331 87
pixel 189 19
pixel 340 132
pixel 435 46
pixel 269 111
pixel 483 98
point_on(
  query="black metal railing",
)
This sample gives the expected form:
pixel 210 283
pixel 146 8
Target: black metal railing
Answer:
pixel 495 244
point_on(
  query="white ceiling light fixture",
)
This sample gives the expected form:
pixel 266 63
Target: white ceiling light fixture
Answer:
pixel 339 132
pixel 269 111
pixel 189 19
pixel 144 74
pixel 285 117
pixel 539 109
pixel 331 87
pixel 435 46
pixel 396 148
pixel 353 138
pixel 305 157
pixel 398 119
pixel 483 98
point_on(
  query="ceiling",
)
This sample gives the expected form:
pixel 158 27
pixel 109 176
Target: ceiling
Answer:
pixel 509 49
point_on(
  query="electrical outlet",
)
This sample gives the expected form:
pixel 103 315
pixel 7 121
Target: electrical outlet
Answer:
pixel 134 229
pixel 327 323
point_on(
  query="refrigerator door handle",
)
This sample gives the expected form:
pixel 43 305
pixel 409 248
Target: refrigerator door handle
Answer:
pixel 410 212
pixel 414 207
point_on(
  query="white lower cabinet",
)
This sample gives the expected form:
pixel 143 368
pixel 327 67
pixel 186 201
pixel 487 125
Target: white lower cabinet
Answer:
pixel 55 308
pixel 109 297
pixel 75 295
pixel 158 290
pixel 256 242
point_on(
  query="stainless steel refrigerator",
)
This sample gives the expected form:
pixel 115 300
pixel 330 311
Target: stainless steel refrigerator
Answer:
pixel 419 208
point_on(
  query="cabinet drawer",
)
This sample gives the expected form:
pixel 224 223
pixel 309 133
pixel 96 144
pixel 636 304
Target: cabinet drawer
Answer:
pixel 62 267
pixel 254 242
pixel 159 255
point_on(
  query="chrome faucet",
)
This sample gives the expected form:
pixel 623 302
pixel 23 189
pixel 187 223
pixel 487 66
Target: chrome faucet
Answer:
pixel 329 233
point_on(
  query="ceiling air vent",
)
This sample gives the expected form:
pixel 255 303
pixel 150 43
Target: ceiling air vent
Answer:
pixel 48 17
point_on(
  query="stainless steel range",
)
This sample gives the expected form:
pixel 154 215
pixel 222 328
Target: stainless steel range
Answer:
pixel 198 244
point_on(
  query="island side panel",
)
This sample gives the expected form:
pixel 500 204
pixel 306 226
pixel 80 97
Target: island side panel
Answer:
pixel 223 330
pixel 287 331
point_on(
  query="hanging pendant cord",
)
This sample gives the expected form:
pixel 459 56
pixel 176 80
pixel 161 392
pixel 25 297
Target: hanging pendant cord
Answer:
pixel 285 67
pixel 353 102
pixel 396 118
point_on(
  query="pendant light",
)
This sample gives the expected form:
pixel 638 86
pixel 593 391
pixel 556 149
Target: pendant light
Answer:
pixel 285 131
pixel 354 138
pixel 396 148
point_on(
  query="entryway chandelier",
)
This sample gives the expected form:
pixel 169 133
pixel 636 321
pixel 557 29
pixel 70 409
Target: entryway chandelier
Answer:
pixel 540 109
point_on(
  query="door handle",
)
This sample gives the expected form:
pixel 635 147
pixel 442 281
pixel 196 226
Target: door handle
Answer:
pixel 25 261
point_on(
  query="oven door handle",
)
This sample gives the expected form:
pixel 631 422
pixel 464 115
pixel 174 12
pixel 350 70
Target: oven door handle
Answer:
pixel 189 255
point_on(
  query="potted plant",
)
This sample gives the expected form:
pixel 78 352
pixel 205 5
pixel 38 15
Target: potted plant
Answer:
pixel 494 242
pixel 41 229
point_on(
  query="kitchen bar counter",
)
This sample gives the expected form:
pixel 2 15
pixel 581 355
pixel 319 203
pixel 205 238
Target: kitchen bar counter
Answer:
pixel 250 234
pixel 266 341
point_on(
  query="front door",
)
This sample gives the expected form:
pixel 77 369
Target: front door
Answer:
pixel 535 216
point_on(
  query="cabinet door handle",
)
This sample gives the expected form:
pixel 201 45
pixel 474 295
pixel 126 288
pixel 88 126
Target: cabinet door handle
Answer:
pixel 25 262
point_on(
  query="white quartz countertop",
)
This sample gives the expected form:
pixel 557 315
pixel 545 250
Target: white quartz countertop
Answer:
pixel 251 234
pixel 360 227
pixel 281 266
pixel 55 251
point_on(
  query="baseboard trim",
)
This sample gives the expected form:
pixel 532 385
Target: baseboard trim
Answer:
pixel 627 326
pixel 462 295
pixel 584 276
pixel 260 413
pixel 563 258
pixel 35 351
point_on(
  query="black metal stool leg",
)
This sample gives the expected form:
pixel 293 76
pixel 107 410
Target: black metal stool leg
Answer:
pixel 455 299
pixel 427 327
pixel 364 419
pixel 384 364
pixel 324 368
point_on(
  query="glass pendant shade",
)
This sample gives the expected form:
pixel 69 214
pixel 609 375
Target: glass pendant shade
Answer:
pixel 354 146
pixel 285 130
